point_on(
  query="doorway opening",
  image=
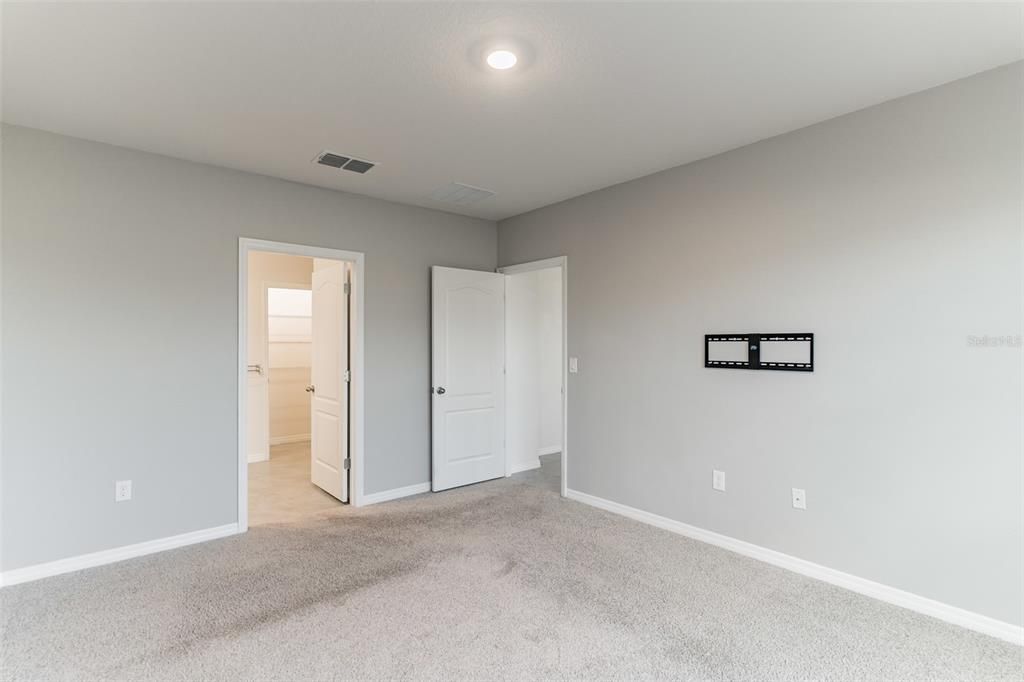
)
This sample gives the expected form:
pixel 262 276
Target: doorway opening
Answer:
pixel 498 372
pixel 533 374
pixel 300 381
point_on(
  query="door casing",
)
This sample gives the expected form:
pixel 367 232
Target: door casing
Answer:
pixel 561 262
pixel 356 337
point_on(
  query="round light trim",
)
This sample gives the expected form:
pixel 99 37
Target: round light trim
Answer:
pixel 501 60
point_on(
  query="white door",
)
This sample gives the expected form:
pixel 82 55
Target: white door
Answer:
pixel 329 387
pixel 467 371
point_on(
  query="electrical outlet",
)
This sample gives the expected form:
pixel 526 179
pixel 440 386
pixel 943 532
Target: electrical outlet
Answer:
pixel 718 480
pixel 799 498
pixel 122 491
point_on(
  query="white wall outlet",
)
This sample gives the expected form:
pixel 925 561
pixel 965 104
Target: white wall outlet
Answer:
pixel 799 498
pixel 718 480
pixel 574 365
pixel 122 491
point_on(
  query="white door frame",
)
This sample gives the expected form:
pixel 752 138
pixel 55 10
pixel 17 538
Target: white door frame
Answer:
pixel 561 262
pixel 356 336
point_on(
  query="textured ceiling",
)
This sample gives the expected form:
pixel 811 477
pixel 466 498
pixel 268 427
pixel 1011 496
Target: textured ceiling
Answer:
pixel 604 92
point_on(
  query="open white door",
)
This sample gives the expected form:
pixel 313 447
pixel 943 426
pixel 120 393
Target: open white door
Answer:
pixel 329 388
pixel 468 349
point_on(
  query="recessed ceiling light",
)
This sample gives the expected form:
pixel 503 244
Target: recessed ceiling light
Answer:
pixel 501 60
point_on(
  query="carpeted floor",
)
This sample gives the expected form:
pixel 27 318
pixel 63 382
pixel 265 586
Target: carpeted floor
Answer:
pixel 502 580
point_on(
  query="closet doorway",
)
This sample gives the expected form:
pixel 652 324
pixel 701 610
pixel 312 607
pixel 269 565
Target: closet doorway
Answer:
pixel 299 390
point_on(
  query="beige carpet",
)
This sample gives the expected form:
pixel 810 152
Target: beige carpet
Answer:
pixel 502 580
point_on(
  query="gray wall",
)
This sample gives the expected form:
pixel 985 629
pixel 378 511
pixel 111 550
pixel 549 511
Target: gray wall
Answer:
pixel 120 281
pixel 893 234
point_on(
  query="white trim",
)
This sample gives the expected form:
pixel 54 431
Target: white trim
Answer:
pixel 358 403
pixel 550 450
pixel 285 440
pixel 109 556
pixel 520 467
pixel 519 268
pixel 563 263
pixel 395 493
pixel 929 607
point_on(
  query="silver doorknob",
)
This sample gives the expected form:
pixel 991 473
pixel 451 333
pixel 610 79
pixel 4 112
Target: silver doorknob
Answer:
pixel 440 390
pixel 311 389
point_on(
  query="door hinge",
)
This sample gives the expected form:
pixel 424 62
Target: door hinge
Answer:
pixel 348 288
pixel 348 376
pixel 347 464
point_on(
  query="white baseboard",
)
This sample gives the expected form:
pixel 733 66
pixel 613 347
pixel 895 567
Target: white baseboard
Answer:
pixel 109 556
pixel 550 450
pixel 258 457
pixel 516 467
pixel 395 493
pixel 929 607
pixel 284 440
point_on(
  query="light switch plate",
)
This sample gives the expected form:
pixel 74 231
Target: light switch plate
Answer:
pixel 718 480
pixel 574 365
pixel 799 498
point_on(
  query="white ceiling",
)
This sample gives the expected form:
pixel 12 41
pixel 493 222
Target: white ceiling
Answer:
pixel 604 92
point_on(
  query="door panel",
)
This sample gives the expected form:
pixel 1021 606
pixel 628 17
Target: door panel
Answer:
pixel 329 408
pixel 468 354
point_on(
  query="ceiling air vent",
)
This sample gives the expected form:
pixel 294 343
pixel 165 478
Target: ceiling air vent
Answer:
pixel 344 162
pixel 462 195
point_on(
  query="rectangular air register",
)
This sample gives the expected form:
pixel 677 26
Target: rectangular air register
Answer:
pixel 348 163
pixel 790 352
pixel 461 194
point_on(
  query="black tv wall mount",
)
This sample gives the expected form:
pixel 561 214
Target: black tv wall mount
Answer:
pixel 790 352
